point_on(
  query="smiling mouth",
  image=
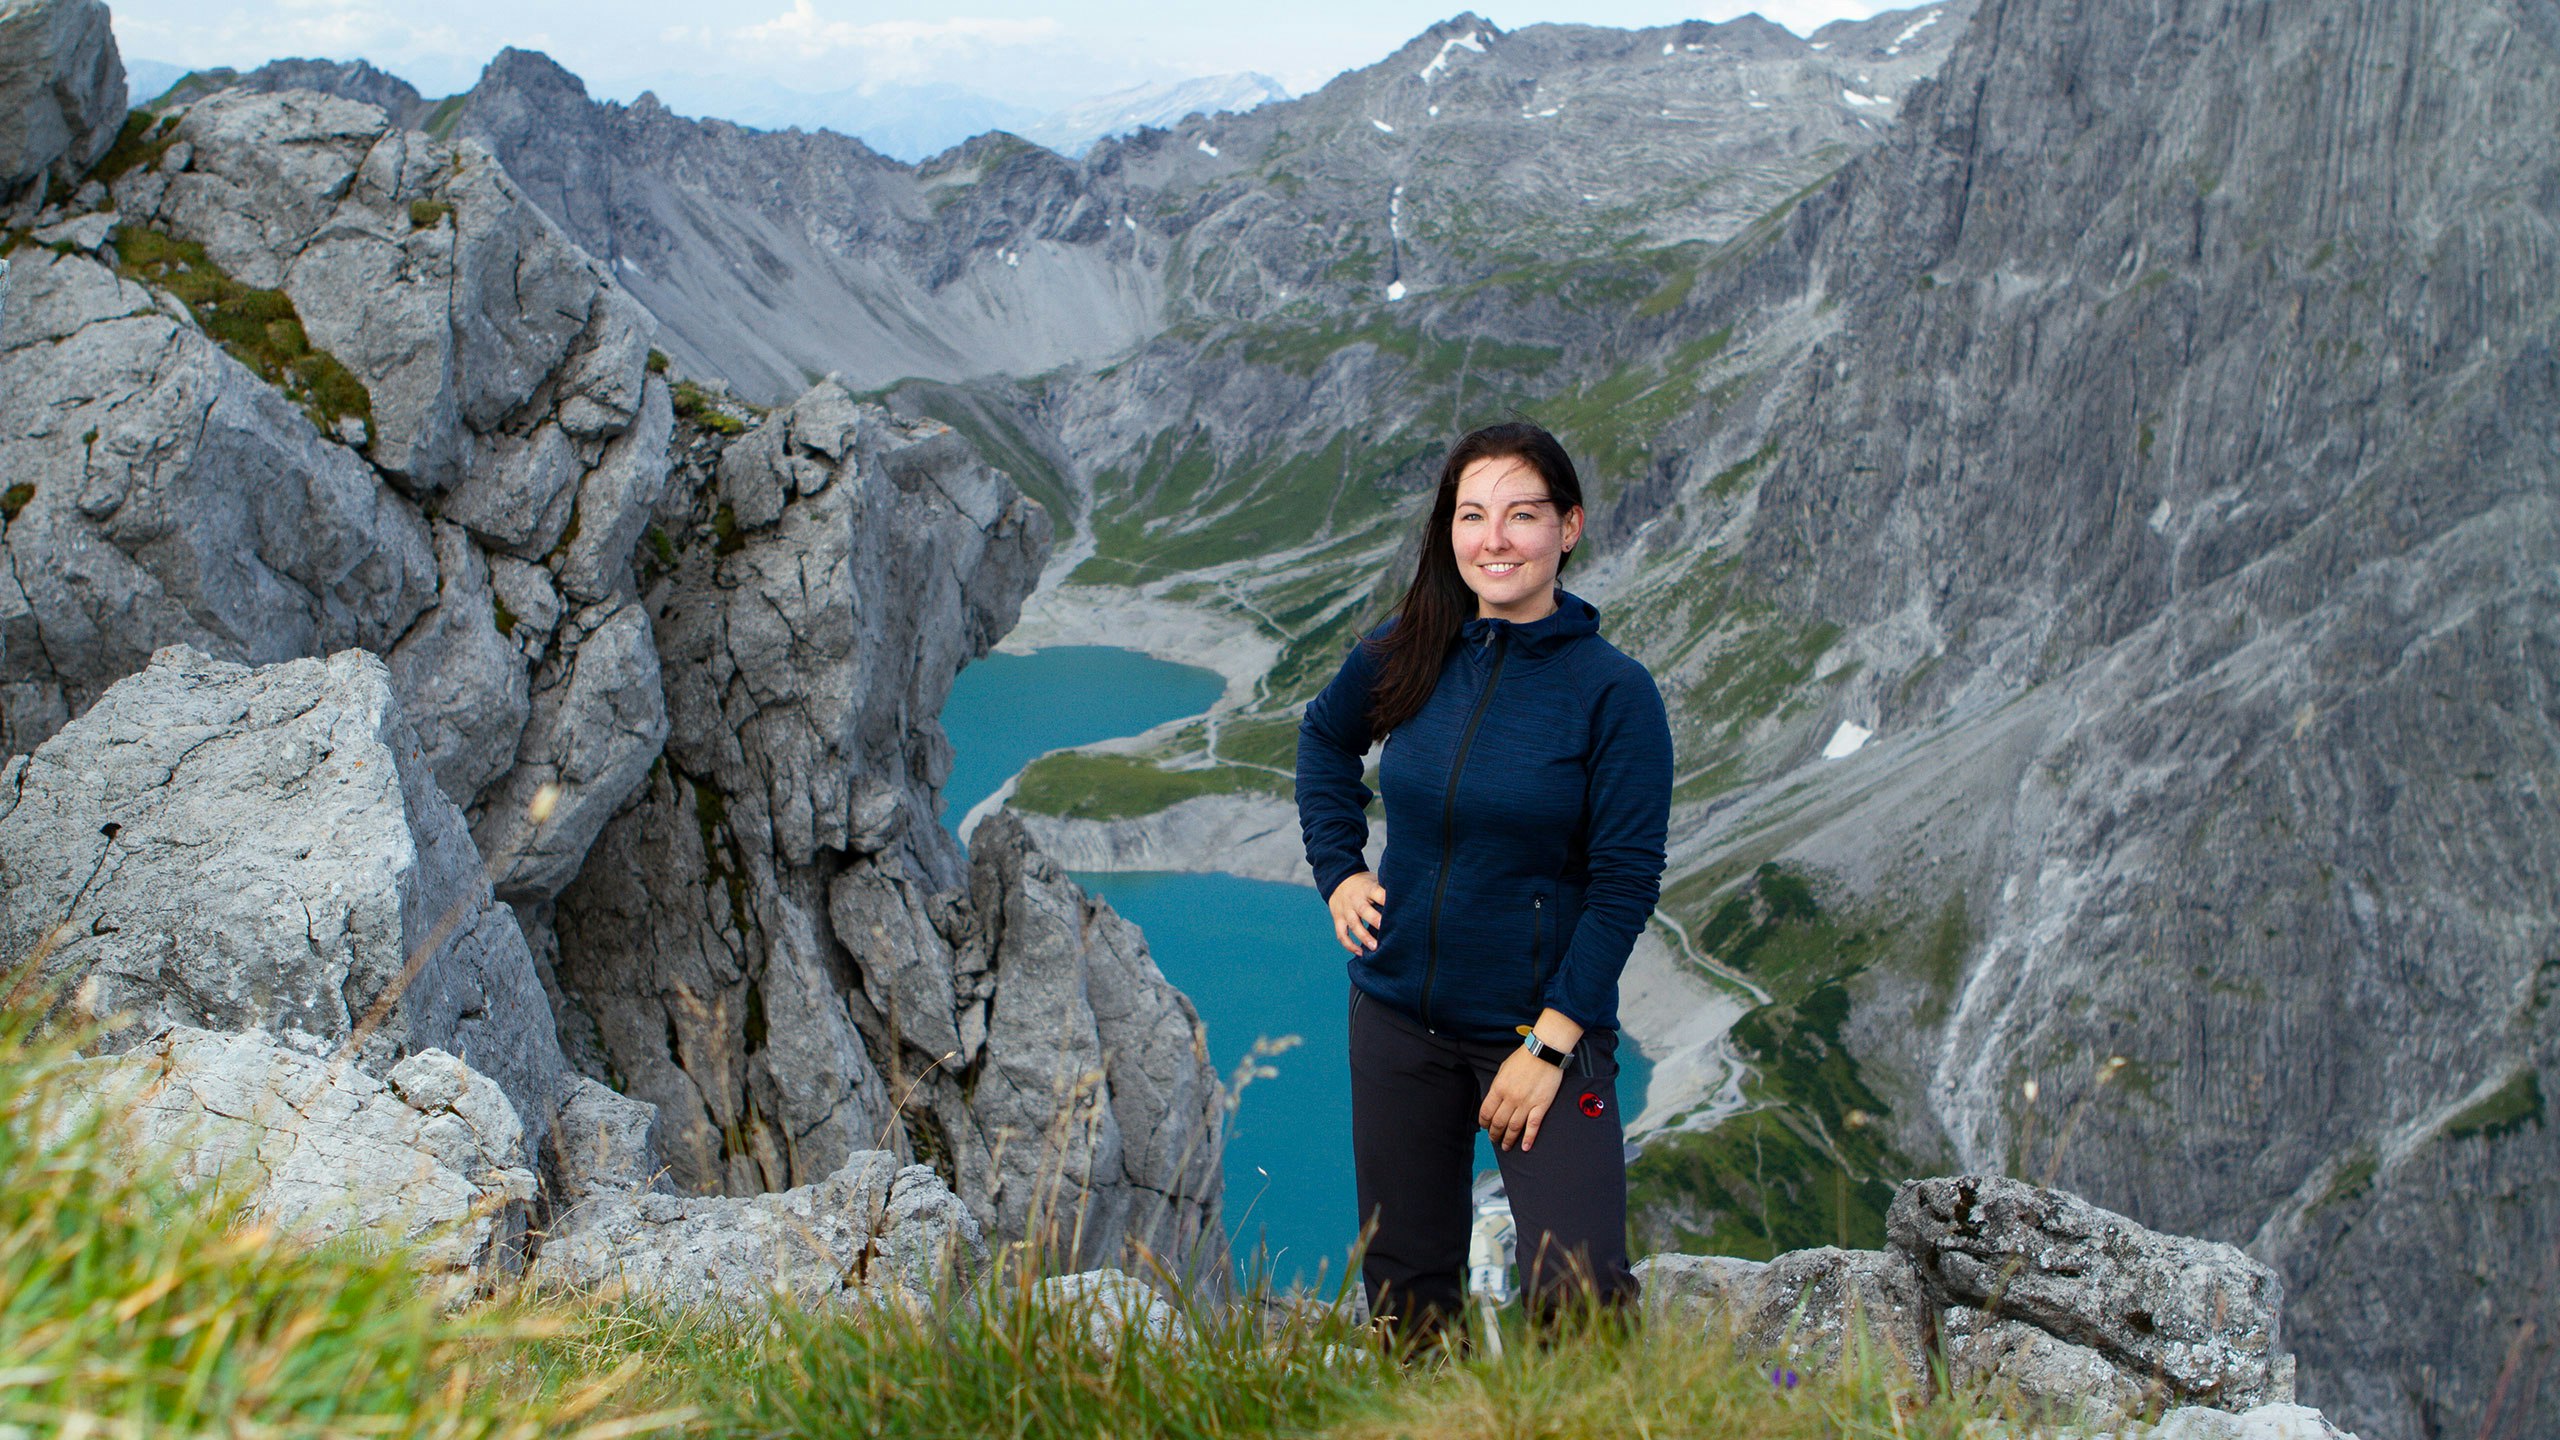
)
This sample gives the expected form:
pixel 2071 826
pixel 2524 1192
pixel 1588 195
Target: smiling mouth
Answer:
pixel 1504 569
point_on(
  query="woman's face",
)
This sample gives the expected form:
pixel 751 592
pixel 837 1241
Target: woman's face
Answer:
pixel 1509 539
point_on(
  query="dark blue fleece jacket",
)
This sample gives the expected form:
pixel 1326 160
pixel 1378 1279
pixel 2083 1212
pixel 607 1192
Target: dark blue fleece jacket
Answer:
pixel 1526 805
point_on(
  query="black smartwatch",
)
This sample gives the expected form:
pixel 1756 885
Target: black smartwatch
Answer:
pixel 1530 1042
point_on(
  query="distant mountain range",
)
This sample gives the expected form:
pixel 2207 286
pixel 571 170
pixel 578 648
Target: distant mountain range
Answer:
pixel 904 122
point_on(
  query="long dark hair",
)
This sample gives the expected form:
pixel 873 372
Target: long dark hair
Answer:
pixel 1438 605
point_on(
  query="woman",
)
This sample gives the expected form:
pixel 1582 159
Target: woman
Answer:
pixel 1527 776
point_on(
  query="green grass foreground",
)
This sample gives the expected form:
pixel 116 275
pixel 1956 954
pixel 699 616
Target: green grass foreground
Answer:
pixel 131 1308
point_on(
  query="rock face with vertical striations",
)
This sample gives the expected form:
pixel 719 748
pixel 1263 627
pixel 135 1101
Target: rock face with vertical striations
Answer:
pixel 820 580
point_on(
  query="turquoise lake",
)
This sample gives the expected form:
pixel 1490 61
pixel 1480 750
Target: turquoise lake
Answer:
pixel 1257 958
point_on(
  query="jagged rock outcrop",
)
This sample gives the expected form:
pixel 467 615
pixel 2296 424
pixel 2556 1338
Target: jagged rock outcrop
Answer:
pixel 453 463
pixel 2016 1290
pixel 236 849
pixel 61 94
pixel 780 948
pixel 463 358
pixel 430 1154
pixel 2198 1316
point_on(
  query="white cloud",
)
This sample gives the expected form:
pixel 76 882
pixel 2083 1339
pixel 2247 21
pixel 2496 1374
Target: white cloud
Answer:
pixel 887 49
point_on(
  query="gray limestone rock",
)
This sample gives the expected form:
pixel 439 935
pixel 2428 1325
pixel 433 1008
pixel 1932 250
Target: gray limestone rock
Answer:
pixel 1114 1306
pixel 601 1143
pixel 172 497
pixel 778 950
pixel 2010 1360
pixel 462 685
pixel 1101 1113
pixel 61 91
pixel 430 1154
pixel 871 1232
pixel 2198 1317
pixel 799 656
pixel 615 500
pixel 519 500
pixel 2264 1422
pixel 597 717
pixel 217 846
pixel 1815 1303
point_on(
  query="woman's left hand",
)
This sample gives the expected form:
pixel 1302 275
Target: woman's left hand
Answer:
pixel 1517 1100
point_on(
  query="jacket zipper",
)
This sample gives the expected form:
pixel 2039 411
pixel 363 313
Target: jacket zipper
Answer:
pixel 1449 817
pixel 1537 949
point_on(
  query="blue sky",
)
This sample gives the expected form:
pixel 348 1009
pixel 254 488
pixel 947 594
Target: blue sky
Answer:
pixel 1022 51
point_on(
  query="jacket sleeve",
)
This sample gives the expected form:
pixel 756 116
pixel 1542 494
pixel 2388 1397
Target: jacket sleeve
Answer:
pixel 1333 803
pixel 1630 813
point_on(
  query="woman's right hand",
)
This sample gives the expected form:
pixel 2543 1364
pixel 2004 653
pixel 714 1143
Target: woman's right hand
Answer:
pixel 1357 907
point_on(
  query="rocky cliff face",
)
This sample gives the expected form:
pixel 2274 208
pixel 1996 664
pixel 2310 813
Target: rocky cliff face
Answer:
pixel 283 379
pixel 2164 455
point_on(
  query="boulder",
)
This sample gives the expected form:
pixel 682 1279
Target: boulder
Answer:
pixel 871 1232
pixel 237 849
pixel 61 91
pixel 1112 1304
pixel 2198 1316
pixel 1805 1302
pixel 430 1153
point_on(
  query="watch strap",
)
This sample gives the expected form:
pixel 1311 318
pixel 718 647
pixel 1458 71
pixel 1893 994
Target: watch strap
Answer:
pixel 1530 1042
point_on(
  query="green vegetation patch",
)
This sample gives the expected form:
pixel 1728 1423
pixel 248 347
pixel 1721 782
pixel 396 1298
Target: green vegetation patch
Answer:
pixel 139 145
pixel 2501 1112
pixel 2353 1179
pixel 1941 967
pixel 426 214
pixel 1184 509
pixel 1808 1164
pixel 1730 480
pixel 1610 424
pixel 1270 740
pixel 440 121
pixel 14 499
pixel 701 408
pixel 1080 786
pixel 260 328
